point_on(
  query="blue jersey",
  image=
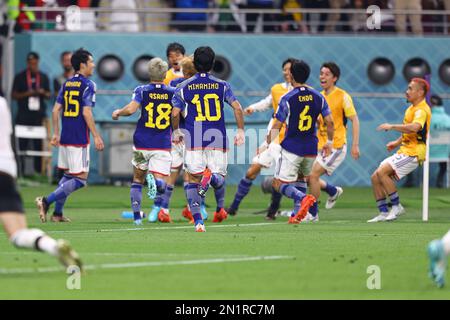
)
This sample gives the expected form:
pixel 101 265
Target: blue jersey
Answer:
pixel 300 108
pixel 75 94
pixel 175 82
pixel 201 99
pixel 153 130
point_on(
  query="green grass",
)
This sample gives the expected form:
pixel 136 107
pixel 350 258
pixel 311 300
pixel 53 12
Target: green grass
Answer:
pixel 326 260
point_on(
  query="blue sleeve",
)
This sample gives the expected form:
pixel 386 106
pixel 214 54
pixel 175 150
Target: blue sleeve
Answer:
pixel 89 96
pixel 228 94
pixel 177 100
pixel 137 95
pixel 60 98
pixel 283 110
pixel 324 108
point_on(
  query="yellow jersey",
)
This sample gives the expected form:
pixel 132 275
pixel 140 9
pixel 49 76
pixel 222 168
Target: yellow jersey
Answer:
pixel 341 106
pixel 414 144
pixel 172 74
pixel 277 91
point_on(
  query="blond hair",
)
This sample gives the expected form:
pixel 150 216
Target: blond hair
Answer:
pixel 157 69
pixel 187 65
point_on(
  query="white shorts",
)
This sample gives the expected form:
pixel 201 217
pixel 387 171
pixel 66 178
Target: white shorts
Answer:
pixel 269 156
pixel 155 161
pixel 290 165
pixel 196 161
pixel 75 160
pixel 333 161
pixel 177 155
pixel 8 165
pixel 401 164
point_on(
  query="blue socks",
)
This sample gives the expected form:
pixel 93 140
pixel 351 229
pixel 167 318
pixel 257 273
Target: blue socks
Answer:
pixel 382 205
pixel 395 199
pixel 59 204
pixel 160 185
pixel 194 201
pixel 165 198
pixel 290 191
pixel 136 199
pixel 302 186
pixel 218 183
pixel 243 189
pixel 65 189
pixel 330 189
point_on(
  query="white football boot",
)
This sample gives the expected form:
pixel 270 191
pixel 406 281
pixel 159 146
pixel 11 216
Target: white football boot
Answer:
pixel 379 218
pixel 395 212
pixel 331 201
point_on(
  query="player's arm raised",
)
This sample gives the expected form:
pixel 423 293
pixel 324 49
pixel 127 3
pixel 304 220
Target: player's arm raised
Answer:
pixel 262 105
pixel 126 111
pixel 239 139
pixel 56 113
pixel 89 118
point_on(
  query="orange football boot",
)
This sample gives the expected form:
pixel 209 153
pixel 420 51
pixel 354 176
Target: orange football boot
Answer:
pixel 220 216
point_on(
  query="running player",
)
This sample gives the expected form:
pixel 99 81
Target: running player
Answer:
pixel 342 109
pixel 438 251
pixel 300 109
pixel 412 143
pixel 151 150
pixel 268 157
pixel 201 99
pixel 74 105
pixel 11 207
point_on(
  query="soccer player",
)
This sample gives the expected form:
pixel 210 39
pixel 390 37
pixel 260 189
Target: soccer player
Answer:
pixel 342 109
pixel 438 251
pixel 300 109
pixel 175 53
pixel 268 157
pixel 201 99
pixel 11 208
pixel 152 145
pixel 414 130
pixel 188 68
pixel 74 105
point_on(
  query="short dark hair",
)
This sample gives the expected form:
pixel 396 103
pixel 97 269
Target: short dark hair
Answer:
pixel 288 60
pixel 334 68
pixel 204 59
pixel 175 46
pixel 78 57
pixel 32 55
pixel 63 54
pixel 300 71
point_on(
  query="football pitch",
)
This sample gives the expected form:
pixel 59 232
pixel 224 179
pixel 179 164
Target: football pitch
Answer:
pixel 245 257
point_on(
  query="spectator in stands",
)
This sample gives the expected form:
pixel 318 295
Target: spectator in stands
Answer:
pixel 185 21
pixel 316 22
pixel 259 23
pixel 415 20
pixel 334 18
pixel 67 72
pixel 293 21
pixel 123 21
pixel 440 121
pixel 357 21
pixel 31 88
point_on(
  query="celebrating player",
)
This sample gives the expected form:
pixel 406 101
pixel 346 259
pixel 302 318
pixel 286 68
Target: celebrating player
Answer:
pixel 300 108
pixel 268 157
pixel 175 53
pixel 151 151
pixel 341 106
pixel 74 105
pixel 201 99
pixel 414 129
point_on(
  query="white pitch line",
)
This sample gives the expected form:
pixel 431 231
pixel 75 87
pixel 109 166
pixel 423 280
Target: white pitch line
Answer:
pixel 168 228
pixel 145 264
